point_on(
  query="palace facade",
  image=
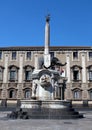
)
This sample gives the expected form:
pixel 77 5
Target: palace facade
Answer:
pixel 18 63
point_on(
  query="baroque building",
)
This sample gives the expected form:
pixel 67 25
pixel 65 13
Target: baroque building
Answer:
pixel 17 65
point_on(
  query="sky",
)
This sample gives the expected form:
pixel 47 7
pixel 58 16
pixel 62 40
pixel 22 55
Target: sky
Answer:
pixel 22 22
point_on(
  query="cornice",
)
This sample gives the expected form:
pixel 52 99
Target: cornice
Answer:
pixel 41 48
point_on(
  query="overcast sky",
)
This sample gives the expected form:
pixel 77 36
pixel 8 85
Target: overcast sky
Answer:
pixel 22 22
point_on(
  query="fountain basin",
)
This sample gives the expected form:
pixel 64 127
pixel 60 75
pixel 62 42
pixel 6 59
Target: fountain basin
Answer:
pixel 37 109
pixel 45 104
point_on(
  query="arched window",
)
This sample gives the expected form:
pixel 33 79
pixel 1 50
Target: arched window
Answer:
pixel 12 93
pixel 27 94
pixel 28 72
pixel 13 73
pixel 77 94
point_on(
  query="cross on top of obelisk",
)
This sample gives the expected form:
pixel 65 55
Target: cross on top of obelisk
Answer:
pixel 48 18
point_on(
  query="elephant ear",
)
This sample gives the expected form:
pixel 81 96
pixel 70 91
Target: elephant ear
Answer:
pixel 56 61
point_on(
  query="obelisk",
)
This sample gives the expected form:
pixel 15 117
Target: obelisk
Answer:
pixel 47 58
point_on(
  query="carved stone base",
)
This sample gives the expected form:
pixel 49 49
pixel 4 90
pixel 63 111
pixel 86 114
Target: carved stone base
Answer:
pixel 44 104
pixel 33 109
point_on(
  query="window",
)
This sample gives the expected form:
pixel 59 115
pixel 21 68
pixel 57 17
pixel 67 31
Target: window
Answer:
pixel 90 75
pixel 77 94
pixel 14 55
pixel 28 72
pixel 12 75
pixel 27 94
pixel 52 54
pixel 75 74
pixel 89 72
pixel 1 75
pixel 28 55
pixel 12 93
pixel 28 75
pixel 0 55
pixel 90 94
pixel 90 55
pixel 75 55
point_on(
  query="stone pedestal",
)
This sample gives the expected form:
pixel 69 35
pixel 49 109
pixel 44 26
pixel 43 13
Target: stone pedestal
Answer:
pixel 54 104
pixel 55 109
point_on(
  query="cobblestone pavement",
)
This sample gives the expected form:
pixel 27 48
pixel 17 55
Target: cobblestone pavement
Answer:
pixel 19 124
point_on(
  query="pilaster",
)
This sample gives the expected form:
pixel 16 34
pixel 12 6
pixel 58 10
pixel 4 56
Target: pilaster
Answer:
pixel 36 62
pixel 68 67
pixel 84 92
pixel 20 91
pixel 5 75
pixel 20 68
pixel 4 94
pixel 83 68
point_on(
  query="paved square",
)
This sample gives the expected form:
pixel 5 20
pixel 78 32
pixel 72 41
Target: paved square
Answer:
pixel 19 124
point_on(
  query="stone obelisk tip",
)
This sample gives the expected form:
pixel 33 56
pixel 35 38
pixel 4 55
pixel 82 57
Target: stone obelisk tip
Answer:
pixel 48 18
